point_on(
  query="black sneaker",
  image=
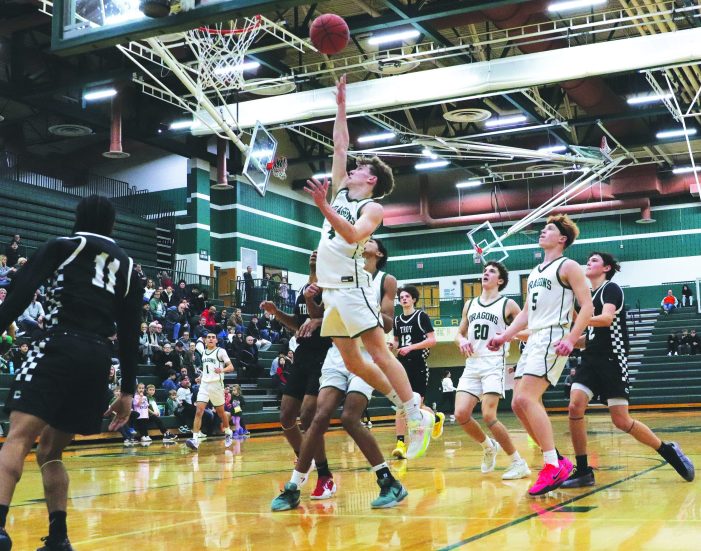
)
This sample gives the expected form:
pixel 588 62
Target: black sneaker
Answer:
pixel 5 540
pixel 52 545
pixel 684 467
pixel 580 479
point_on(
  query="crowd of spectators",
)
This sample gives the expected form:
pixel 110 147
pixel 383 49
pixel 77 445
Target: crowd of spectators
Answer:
pixel 670 302
pixel 683 342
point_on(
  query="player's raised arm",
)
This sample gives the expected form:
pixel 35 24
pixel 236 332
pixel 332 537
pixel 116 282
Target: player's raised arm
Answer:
pixel 341 139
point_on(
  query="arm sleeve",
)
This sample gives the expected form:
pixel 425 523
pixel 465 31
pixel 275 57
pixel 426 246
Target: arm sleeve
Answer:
pixel 613 295
pixel 128 318
pixel 43 263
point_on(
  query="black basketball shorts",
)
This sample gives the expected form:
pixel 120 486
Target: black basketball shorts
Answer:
pixel 417 372
pixel 305 373
pixel 605 376
pixel 64 381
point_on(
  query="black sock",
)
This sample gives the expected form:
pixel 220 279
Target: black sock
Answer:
pixel 322 469
pixel 400 437
pixel 383 473
pixel 582 463
pixel 57 526
pixel 4 509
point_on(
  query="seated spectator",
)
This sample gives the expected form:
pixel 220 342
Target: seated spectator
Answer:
pixel 193 360
pixel 165 360
pixel 694 342
pixel 687 296
pixel 210 315
pixel 5 271
pixel 143 339
pixel 32 317
pixel 165 279
pixel 171 402
pixel 223 319
pixel 158 307
pixel 3 295
pixel 176 320
pixel 253 331
pixel 197 300
pixel 154 415
pixel 113 380
pixel 274 364
pixel 672 345
pixel 149 289
pixel 171 382
pixel 236 321
pixel 237 405
pixel 669 302
pixel 168 297
pixel 248 357
pixel 685 343
pixel 181 292
pixel 156 338
pixel 146 314
pixel 265 325
pixel 200 331
pixel 12 250
pixel 281 373
pixel 185 339
pixel 19 355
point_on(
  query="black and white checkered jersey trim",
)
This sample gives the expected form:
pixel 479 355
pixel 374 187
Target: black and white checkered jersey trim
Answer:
pixel 36 353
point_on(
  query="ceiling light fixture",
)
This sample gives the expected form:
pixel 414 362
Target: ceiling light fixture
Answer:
pixel 553 149
pixel 469 183
pixel 426 152
pixel 322 175
pixel 505 121
pixel 568 5
pixel 181 125
pixel 99 94
pixel 647 98
pixel 246 66
pixel 686 169
pixel 382 137
pixel 431 164
pixel 393 37
pixel 678 133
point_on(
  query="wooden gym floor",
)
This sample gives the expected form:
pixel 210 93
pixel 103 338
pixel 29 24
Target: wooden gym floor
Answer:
pixel 169 498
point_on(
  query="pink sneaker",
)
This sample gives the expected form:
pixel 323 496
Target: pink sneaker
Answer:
pixel 325 488
pixel 567 465
pixel 549 479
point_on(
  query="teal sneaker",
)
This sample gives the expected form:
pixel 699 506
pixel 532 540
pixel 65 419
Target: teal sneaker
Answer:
pixel 391 493
pixel 288 498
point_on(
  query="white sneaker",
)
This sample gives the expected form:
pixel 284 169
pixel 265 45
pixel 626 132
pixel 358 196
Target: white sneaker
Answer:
pixel 517 469
pixel 200 436
pixel 192 443
pixel 419 432
pixel 145 439
pixel 489 459
pixel 228 438
pixel 129 442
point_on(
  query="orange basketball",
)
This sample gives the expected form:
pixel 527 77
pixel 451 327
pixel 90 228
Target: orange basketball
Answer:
pixel 329 33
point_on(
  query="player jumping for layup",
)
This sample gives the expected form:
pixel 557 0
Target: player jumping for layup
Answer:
pixel 604 374
pixel 483 379
pixel 552 288
pixel 350 308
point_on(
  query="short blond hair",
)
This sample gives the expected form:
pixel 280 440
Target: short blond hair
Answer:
pixel 383 172
pixel 567 227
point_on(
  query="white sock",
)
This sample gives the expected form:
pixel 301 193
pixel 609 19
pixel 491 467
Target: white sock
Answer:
pixel 515 457
pixel 550 458
pixel 412 410
pixel 395 399
pixel 487 444
pixel 298 478
pixel 380 466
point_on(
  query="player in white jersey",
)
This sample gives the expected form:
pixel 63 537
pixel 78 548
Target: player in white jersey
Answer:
pixel 483 378
pixel 215 362
pixel 350 309
pixel 338 385
pixel 548 313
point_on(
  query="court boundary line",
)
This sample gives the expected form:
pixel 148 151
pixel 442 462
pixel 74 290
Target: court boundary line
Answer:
pixel 550 509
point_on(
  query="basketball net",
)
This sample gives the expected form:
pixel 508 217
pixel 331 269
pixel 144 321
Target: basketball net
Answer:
pixel 279 168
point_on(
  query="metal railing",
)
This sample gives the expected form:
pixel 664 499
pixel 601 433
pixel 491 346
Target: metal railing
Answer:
pixel 161 276
pixel 248 297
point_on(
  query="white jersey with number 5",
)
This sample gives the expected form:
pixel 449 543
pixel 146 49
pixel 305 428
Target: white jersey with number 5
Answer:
pixel 484 321
pixel 550 302
pixel 341 264
pixel 211 359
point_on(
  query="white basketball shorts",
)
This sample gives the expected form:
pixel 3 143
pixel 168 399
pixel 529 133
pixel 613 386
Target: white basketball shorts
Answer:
pixel 349 312
pixel 335 374
pixel 483 375
pixel 538 357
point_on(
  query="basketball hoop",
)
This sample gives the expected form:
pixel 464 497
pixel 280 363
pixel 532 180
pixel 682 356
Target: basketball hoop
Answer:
pixel 220 51
pixel 279 168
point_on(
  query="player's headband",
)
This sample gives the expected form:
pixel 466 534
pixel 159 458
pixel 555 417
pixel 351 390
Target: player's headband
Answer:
pixel 561 229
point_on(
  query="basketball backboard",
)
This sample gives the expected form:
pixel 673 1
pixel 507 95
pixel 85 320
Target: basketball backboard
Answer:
pixel 81 25
pixel 261 156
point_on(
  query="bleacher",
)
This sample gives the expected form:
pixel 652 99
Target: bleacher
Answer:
pixel 656 380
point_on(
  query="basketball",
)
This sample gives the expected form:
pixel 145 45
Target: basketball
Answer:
pixel 329 33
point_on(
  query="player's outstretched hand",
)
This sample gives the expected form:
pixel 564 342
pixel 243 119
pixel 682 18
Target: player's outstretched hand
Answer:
pixel 318 190
pixel 563 347
pixel 308 327
pixel 121 409
pixel 465 347
pixel 341 91
pixel 495 343
pixel 312 290
pixel 268 307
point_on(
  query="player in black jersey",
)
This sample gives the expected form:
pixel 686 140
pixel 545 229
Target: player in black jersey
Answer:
pixel 604 375
pixel 302 388
pixel 90 287
pixel 413 339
